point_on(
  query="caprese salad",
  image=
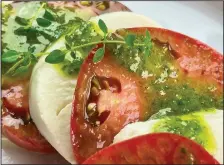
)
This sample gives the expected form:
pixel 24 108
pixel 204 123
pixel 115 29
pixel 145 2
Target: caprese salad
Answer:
pixel 111 88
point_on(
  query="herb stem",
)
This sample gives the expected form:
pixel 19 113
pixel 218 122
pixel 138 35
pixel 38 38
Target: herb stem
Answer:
pixel 14 66
pixel 35 16
pixel 104 42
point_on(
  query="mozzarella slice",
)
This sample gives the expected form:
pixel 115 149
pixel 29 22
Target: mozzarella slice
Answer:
pixel 213 120
pixel 51 93
pixel 123 19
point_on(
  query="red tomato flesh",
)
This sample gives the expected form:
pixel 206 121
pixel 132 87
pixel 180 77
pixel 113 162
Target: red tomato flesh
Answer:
pixel 107 98
pixel 16 106
pixel 194 57
pixel 115 108
pixel 155 148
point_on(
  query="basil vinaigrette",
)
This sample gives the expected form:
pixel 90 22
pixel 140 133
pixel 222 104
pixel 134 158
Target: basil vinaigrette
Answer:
pixel 193 126
pixel 166 85
pixel 164 82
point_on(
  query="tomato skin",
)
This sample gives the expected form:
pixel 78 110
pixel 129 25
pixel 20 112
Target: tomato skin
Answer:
pixel 28 137
pixel 193 56
pixel 87 139
pixel 15 104
pixel 155 148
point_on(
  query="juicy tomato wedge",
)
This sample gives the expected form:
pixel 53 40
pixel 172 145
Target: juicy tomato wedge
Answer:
pixel 155 148
pixel 107 98
pixel 17 125
pixel 194 57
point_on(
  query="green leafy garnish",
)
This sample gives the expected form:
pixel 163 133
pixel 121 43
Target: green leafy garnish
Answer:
pixel 102 26
pixel 129 39
pixel 10 56
pixel 56 56
pixel 148 43
pixel 79 35
pixel 98 56
pixel 43 22
pixel 21 21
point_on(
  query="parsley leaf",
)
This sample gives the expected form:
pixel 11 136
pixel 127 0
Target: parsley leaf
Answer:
pixel 56 56
pixel 98 56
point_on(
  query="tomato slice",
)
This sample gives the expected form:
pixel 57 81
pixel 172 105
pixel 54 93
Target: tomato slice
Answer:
pixel 17 125
pixel 155 148
pixel 15 99
pixel 108 97
pixel 94 130
pixel 194 57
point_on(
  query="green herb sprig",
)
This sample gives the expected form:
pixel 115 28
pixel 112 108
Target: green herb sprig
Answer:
pixel 58 56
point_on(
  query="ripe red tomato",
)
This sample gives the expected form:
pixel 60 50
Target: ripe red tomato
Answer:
pixel 194 57
pixel 107 98
pixel 113 104
pixel 155 148
pixel 15 107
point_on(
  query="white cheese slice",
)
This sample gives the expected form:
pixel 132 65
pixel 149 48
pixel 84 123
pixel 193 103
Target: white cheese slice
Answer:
pixel 51 93
pixel 214 120
pixel 50 100
pixel 124 19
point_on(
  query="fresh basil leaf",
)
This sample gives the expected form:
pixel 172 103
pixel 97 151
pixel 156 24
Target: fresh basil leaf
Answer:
pixel 49 16
pixel 43 22
pixel 103 26
pixel 129 39
pixel 21 21
pixel 10 56
pixel 55 57
pixel 98 56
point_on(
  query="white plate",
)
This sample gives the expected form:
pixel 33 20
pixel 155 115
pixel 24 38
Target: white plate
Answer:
pixel 201 20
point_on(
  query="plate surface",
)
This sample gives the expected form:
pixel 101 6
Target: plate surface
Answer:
pixel 201 20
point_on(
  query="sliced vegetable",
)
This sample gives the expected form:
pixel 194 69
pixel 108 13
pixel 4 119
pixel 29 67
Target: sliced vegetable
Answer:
pixel 193 56
pixel 16 122
pixel 108 97
pixel 156 148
